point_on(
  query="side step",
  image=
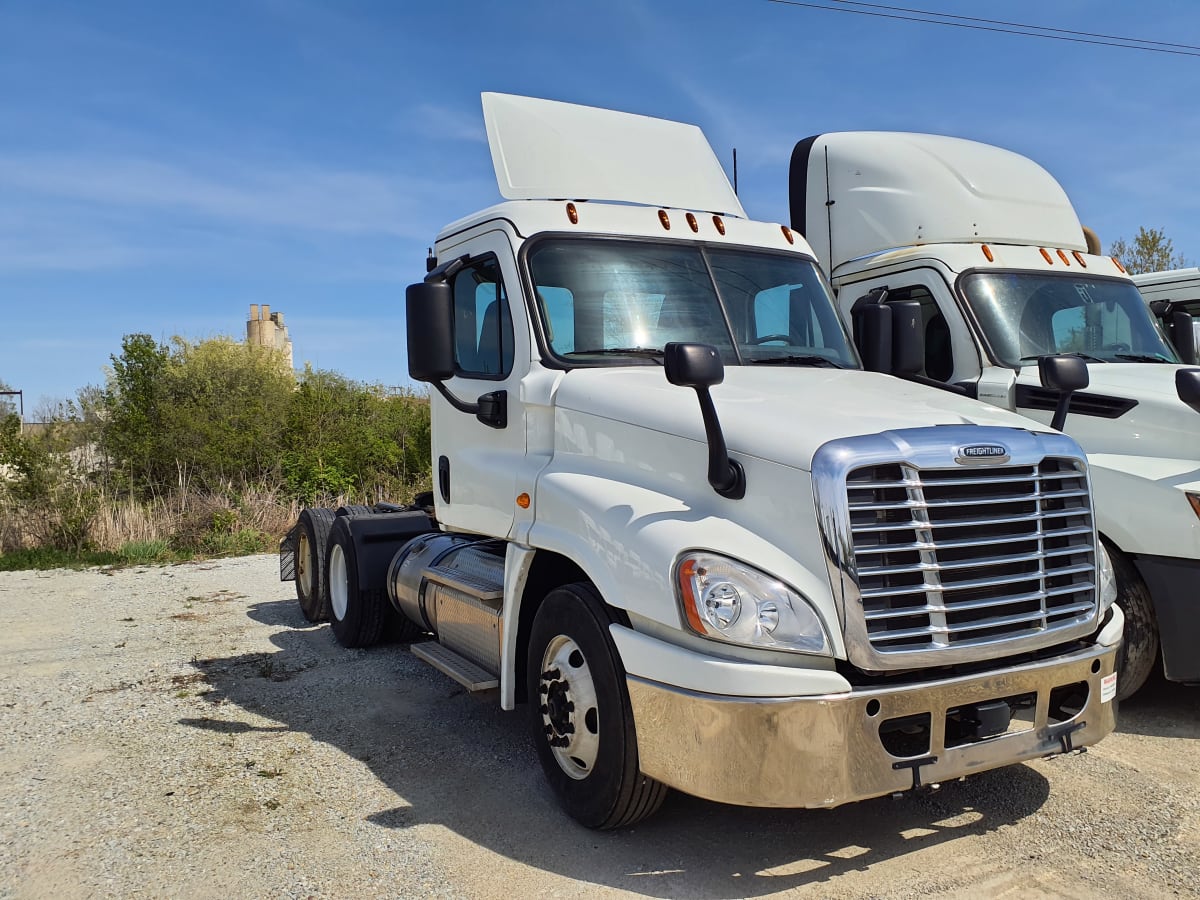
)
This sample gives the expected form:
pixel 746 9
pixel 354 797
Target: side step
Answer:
pixel 461 669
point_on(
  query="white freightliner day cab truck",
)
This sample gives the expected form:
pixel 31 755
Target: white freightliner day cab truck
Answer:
pixel 673 516
pixel 980 253
pixel 1174 298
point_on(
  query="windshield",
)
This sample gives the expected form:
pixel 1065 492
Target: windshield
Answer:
pixel 619 300
pixel 1026 315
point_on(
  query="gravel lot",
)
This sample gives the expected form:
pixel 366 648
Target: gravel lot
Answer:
pixel 182 731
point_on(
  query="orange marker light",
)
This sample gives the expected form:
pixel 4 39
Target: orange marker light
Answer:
pixel 572 214
pixel 787 233
pixel 987 252
pixel 1079 258
pixel 720 225
pixel 686 573
pixel 665 219
pixel 1063 257
pixel 1117 263
pixel 1046 255
pixel 692 223
pixel 523 501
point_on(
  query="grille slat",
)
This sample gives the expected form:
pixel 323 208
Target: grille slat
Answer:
pixel 959 545
pixel 949 557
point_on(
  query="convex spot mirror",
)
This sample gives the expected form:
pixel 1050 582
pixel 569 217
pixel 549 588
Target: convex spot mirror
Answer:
pixel 1187 383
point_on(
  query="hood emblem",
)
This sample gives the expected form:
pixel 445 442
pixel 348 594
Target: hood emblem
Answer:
pixel 982 453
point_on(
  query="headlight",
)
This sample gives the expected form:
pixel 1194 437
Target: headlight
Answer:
pixel 728 601
pixel 1108 580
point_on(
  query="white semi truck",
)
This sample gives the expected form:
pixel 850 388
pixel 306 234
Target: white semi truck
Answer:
pixel 674 518
pixel 985 249
pixel 1174 298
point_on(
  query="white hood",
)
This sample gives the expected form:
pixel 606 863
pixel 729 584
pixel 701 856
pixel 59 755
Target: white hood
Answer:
pixel 777 414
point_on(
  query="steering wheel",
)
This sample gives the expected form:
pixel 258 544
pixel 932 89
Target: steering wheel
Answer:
pixel 767 338
pixel 1118 347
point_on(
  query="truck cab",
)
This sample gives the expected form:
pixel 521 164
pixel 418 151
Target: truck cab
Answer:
pixel 987 244
pixel 676 520
pixel 1174 299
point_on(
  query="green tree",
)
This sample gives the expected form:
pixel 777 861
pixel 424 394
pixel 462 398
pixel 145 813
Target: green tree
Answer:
pixel 8 404
pixel 134 406
pixel 1149 251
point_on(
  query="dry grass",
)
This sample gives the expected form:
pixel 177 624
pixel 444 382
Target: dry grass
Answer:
pixel 186 520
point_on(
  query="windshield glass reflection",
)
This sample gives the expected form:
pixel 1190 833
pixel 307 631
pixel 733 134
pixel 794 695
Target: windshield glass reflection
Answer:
pixel 1025 315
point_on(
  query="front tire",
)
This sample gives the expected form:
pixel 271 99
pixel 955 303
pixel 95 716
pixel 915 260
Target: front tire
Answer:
pixel 580 714
pixel 312 582
pixel 356 615
pixel 1139 646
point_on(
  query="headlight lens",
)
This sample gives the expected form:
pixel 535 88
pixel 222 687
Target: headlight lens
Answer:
pixel 728 601
pixel 1108 580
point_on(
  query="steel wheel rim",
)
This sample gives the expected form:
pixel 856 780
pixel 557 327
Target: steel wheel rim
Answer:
pixel 570 711
pixel 339 587
pixel 303 572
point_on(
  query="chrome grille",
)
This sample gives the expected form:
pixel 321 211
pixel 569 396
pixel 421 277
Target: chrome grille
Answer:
pixel 972 555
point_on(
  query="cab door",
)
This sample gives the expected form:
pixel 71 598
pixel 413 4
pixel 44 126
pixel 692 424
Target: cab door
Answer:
pixel 476 463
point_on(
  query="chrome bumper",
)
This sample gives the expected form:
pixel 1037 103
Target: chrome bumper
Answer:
pixel 826 750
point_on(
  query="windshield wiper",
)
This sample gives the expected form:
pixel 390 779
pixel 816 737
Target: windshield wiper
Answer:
pixel 795 361
pixel 643 352
pixel 1085 356
pixel 1141 357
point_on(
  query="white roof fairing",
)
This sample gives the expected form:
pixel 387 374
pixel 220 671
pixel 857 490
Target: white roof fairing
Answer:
pixel 546 150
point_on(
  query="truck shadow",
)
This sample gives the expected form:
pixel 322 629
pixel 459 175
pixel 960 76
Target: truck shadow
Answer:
pixel 457 760
pixel 1161 708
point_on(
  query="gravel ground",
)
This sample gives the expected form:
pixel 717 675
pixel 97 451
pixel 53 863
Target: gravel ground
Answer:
pixel 182 731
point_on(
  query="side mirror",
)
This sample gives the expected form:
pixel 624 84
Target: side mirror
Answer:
pixel 1183 336
pixel 429 314
pixel 1187 384
pixel 889 336
pixel 693 365
pixel 908 338
pixel 1066 375
pixel 699 367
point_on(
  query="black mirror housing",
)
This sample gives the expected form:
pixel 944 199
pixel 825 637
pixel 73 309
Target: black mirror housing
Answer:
pixel 429 314
pixel 908 338
pixel 1064 374
pixel 693 365
pixel 1187 384
pixel 1183 337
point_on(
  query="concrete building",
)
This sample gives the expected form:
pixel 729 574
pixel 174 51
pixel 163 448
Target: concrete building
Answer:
pixel 266 329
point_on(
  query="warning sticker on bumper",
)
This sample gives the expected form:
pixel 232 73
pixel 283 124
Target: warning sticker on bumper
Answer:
pixel 1108 687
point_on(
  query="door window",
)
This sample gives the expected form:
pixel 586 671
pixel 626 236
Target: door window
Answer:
pixel 483 329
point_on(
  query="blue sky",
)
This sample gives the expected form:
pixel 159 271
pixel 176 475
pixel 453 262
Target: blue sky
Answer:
pixel 164 164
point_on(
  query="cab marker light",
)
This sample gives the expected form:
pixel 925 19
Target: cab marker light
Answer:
pixel 665 219
pixel 987 252
pixel 787 233
pixel 1046 255
pixel 1063 257
pixel 692 223
pixel 1079 258
pixel 720 225
pixel 572 214
pixel 1117 263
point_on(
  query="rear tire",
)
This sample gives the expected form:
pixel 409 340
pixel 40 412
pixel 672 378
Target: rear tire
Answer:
pixel 1139 647
pixel 356 615
pixel 312 582
pixel 580 714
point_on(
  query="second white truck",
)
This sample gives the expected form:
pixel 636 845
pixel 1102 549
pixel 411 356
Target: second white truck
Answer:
pixel 987 248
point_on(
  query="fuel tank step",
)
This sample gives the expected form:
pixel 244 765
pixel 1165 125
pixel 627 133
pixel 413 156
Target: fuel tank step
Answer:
pixel 461 669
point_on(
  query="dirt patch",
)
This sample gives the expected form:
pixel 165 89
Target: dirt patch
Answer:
pixel 185 726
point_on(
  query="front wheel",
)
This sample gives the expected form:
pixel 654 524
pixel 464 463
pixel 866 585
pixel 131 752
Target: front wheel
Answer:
pixel 580 714
pixel 1139 645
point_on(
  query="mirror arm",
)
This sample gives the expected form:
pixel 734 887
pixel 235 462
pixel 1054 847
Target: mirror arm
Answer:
pixel 725 474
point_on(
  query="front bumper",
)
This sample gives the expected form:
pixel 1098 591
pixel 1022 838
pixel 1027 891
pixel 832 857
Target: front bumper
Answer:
pixel 823 751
